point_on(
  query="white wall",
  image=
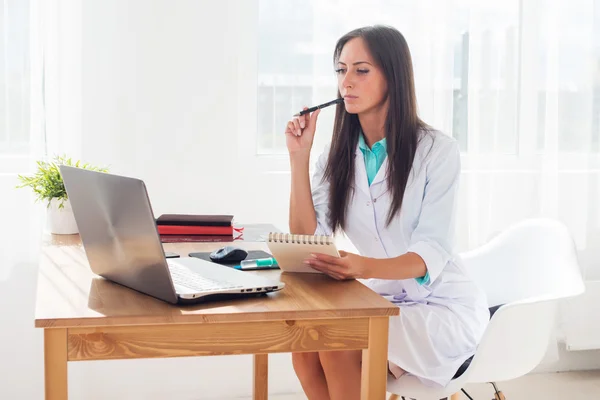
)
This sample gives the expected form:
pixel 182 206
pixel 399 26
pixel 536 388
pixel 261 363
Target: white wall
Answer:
pixel 160 90
pixel 161 84
pixel 163 91
pixel 152 91
pixel 19 248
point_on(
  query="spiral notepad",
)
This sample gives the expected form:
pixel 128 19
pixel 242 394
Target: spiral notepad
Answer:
pixel 290 250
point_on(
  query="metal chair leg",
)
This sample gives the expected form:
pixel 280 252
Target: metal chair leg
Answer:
pixel 498 395
pixel 455 396
pixel 466 394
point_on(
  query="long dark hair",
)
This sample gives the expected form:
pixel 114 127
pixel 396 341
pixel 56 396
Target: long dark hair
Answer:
pixel 402 124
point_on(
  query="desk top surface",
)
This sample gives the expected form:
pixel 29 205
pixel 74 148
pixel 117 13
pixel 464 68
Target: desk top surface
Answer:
pixel 69 294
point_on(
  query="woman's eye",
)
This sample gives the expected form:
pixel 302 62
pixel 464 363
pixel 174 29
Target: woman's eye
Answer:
pixel 340 71
pixel 362 71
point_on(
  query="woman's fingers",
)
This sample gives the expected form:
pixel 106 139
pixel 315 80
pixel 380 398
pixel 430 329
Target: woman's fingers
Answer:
pixel 297 129
pixel 324 266
pixel 298 125
pixel 303 119
pixel 327 271
pixel 289 128
pixel 311 122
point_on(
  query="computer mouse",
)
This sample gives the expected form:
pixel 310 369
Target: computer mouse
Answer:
pixel 228 254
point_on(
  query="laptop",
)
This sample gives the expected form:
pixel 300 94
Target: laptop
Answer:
pixel 118 232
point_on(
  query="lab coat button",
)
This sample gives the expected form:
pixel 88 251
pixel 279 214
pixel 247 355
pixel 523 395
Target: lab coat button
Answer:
pixel 368 204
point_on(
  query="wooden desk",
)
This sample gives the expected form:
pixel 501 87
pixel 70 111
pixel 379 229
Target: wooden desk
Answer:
pixel 85 317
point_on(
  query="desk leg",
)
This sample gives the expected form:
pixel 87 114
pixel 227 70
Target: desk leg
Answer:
pixel 261 377
pixel 374 361
pixel 55 363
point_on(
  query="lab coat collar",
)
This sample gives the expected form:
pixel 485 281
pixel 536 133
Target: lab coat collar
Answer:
pixel 361 172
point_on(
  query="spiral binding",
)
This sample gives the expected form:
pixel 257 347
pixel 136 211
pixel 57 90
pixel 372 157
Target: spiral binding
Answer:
pixel 300 239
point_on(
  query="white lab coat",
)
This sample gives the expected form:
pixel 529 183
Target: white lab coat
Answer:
pixel 441 322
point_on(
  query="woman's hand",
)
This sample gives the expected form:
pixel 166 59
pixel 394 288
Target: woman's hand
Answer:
pixel 300 132
pixel 347 266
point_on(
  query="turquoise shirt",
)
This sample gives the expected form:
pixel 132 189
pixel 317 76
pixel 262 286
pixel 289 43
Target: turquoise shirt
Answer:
pixel 374 158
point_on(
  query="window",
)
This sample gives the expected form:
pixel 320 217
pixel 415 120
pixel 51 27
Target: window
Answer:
pixel 503 78
pixel 517 83
pixel 14 78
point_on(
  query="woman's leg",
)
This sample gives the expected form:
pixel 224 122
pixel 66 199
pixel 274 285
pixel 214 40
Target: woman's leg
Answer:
pixel 343 373
pixel 310 373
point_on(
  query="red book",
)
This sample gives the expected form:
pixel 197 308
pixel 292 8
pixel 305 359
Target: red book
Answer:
pixel 194 220
pixel 194 230
pixel 195 238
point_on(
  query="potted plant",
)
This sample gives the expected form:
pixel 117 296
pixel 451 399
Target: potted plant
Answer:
pixel 48 186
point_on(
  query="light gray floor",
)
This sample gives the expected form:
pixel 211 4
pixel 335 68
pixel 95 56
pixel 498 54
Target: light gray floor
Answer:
pixel 584 385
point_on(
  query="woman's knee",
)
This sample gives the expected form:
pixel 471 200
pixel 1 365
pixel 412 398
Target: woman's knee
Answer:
pixel 306 364
pixel 346 358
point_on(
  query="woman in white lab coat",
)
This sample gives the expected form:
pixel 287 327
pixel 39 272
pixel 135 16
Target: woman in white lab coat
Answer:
pixel 390 183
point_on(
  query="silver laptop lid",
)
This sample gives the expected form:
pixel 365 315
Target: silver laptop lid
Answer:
pixel 118 230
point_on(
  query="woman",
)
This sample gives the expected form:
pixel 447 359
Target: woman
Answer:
pixel 390 183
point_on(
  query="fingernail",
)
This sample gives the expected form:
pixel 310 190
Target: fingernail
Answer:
pixel 313 255
pixel 302 124
pixel 299 132
pixel 307 262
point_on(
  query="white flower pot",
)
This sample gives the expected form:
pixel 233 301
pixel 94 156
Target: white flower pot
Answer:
pixel 61 221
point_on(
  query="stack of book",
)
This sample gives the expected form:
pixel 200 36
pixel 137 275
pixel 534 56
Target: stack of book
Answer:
pixel 195 228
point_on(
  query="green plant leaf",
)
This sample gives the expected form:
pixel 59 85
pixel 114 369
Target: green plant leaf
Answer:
pixel 47 183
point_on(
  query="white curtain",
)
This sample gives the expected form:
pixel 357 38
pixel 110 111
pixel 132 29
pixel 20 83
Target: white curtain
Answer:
pixel 532 135
pixel 21 143
pixel 21 136
pixel 14 78
pixel 516 82
pixel 533 146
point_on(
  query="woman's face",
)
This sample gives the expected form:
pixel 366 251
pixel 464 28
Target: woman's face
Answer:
pixel 360 81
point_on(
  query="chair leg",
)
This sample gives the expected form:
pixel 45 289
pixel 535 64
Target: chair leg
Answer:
pixel 455 396
pixel 466 394
pixel 498 395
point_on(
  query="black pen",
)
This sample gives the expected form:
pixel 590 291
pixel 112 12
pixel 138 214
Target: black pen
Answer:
pixel 315 108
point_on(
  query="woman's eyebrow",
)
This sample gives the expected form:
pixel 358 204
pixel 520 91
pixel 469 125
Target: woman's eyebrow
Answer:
pixel 356 63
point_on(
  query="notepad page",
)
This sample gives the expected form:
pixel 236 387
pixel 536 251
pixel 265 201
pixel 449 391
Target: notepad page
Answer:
pixel 291 256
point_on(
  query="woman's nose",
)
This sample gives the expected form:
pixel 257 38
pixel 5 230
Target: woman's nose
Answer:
pixel 347 81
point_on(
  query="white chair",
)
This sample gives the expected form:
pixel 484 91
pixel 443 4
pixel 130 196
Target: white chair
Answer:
pixel 526 269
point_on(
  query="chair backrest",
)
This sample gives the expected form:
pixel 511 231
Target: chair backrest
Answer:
pixel 527 267
pixel 534 258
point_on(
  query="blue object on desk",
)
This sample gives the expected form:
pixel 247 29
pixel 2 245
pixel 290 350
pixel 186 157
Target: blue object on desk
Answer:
pixel 261 263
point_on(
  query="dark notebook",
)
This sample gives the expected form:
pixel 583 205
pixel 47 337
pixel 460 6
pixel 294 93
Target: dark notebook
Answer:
pixel 196 238
pixel 194 220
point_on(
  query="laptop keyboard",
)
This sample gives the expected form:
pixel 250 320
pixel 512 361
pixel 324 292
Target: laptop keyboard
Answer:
pixel 194 281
